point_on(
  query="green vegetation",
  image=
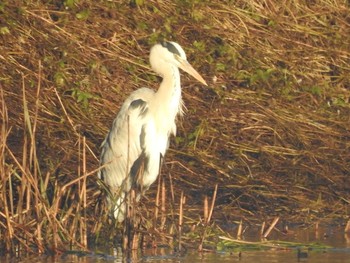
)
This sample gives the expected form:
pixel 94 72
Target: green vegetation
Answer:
pixel 272 129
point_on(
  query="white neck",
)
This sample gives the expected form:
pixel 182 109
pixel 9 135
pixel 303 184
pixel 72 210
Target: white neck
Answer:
pixel 169 92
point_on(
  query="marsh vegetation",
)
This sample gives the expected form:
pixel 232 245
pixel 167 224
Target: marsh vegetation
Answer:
pixel 269 138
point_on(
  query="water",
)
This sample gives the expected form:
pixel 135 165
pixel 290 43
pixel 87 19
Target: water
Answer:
pixel 330 236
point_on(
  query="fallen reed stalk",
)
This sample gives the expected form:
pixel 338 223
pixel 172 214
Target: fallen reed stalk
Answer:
pixel 272 226
pixel 235 243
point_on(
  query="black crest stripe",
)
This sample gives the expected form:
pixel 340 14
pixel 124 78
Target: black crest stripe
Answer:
pixel 170 47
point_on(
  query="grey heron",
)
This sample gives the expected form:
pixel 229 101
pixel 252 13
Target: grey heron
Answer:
pixel 139 136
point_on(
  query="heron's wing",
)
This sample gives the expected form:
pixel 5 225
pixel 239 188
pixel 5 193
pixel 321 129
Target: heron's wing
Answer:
pixel 122 146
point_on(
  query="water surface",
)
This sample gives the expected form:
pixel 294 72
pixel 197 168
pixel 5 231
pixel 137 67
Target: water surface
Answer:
pixel 338 252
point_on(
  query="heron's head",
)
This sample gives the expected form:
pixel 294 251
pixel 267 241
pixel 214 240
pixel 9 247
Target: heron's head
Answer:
pixel 171 53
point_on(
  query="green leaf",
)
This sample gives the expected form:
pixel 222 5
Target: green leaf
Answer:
pixel 220 67
pixel 82 97
pixel 2 7
pixel 139 2
pixel 4 30
pixel 69 3
pixel 59 79
pixel 82 15
pixel 200 45
pixel 316 90
pixel 167 26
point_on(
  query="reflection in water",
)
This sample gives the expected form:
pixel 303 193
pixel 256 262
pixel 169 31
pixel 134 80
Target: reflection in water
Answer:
pixel 270 256
pixel 331 236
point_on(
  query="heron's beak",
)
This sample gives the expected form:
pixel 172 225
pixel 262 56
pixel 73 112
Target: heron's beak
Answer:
pixel 185 66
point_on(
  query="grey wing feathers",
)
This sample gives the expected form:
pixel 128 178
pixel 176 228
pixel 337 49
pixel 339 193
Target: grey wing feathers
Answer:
pixel 121 141
pixel 141 104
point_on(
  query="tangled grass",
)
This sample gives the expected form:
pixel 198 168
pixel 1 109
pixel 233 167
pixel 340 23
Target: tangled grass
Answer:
pixel 272 129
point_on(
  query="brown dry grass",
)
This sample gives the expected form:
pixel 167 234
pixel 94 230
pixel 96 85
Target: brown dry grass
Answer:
pixel 272 130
